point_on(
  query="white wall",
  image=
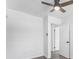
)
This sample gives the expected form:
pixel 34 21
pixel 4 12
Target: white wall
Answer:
pixel 45 31
pixel 49 40
pixel 53 20
pixel 24 35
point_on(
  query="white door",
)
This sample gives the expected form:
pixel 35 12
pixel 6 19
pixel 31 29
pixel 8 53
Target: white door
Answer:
pixel 55 39
pixel 64 41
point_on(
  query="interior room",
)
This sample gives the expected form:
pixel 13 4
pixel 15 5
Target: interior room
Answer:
pixel 39 29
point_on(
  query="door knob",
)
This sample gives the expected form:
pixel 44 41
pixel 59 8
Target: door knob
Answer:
pixel 67 42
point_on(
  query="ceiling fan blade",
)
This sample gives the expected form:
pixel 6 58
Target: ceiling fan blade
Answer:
pixel 66 3
pixel 52 10
pixel 62 10
pixel 56 1
pixel 46 3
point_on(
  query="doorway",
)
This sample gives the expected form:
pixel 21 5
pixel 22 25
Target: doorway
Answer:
pixel 60 41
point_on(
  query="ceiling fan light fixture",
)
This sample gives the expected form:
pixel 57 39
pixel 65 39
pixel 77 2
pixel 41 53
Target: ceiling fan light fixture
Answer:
pixel 57 8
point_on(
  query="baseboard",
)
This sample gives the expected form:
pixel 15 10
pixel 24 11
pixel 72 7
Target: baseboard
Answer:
pixel 41 57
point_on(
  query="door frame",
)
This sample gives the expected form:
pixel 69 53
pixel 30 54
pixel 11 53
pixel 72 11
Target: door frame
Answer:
pixel 49 52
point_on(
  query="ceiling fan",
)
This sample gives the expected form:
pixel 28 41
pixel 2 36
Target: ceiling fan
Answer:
pixel 57 5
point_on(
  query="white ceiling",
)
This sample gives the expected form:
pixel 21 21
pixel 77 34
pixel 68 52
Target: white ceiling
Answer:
pixel 28 6
pixel 35 7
